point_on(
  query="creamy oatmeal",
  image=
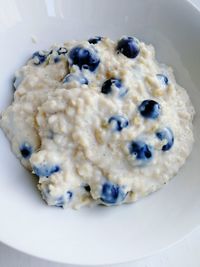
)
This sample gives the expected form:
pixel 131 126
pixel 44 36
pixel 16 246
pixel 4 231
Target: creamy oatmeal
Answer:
pixel 99 121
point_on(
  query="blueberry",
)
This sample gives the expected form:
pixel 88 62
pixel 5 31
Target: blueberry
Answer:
pixel 60 201
pixel 39 57
pixel 112 193
pixel 45 170
pixel 149 109
pixel 56 59
pixel 57 53
pixel 69 194
pixel 163 79
pixel 94 40
pixel 84 58
pixel 128 46
pixel 87 188
pixel 62 51
pixel 110 84
pixel 73 77
pixel 141 151
pixel 26 150
pixel 119 122
pixel 166 134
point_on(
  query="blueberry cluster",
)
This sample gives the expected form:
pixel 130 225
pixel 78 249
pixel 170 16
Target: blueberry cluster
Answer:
pixel 87 58
pixel 139 149
pixel 39 57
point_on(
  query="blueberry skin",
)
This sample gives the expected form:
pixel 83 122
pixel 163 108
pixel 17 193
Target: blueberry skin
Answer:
pixel 61 200
pixel 70 194
pixel 39 57
pixel 73 77
pixel 57 53
pixel 120 122
pixel 166 134
pixel 62 51
pixel 87 188
pixel 107 87
pixel 95 40
pixel 112 193
pixel 128 46
pixel 83 58
pixel 56 59
pixel 45 170
pixel 149 109
pixel 141 150
pixel 163 79
pixel 26 150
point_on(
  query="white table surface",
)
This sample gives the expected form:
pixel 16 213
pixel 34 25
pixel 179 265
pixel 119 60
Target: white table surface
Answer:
pixel 184 254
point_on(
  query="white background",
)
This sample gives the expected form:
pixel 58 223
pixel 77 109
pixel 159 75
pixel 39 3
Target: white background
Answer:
pixel 185 253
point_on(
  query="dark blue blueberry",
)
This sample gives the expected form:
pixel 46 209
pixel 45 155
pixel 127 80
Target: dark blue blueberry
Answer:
pixel 26 150
pixel 69 194
pixel 112 193
pixel 119 122
pixel 107 86
pixel 62 51
pixel 45 170
pixel 141 150
pixel 149 109
pixel 128 46
pixel 87 188
pixel 94 40
pixel 56 59
pixel 84 58
pixel 166 134
pixel 14 83
pixel 73 77
pixel 60 201
pixel 163 79
pixel 50 52
pixel 39 57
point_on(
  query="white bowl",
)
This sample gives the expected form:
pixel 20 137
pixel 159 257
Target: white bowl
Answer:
pixel 99 235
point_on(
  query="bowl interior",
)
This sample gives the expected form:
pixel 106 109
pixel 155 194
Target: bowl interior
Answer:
pixel 99 235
